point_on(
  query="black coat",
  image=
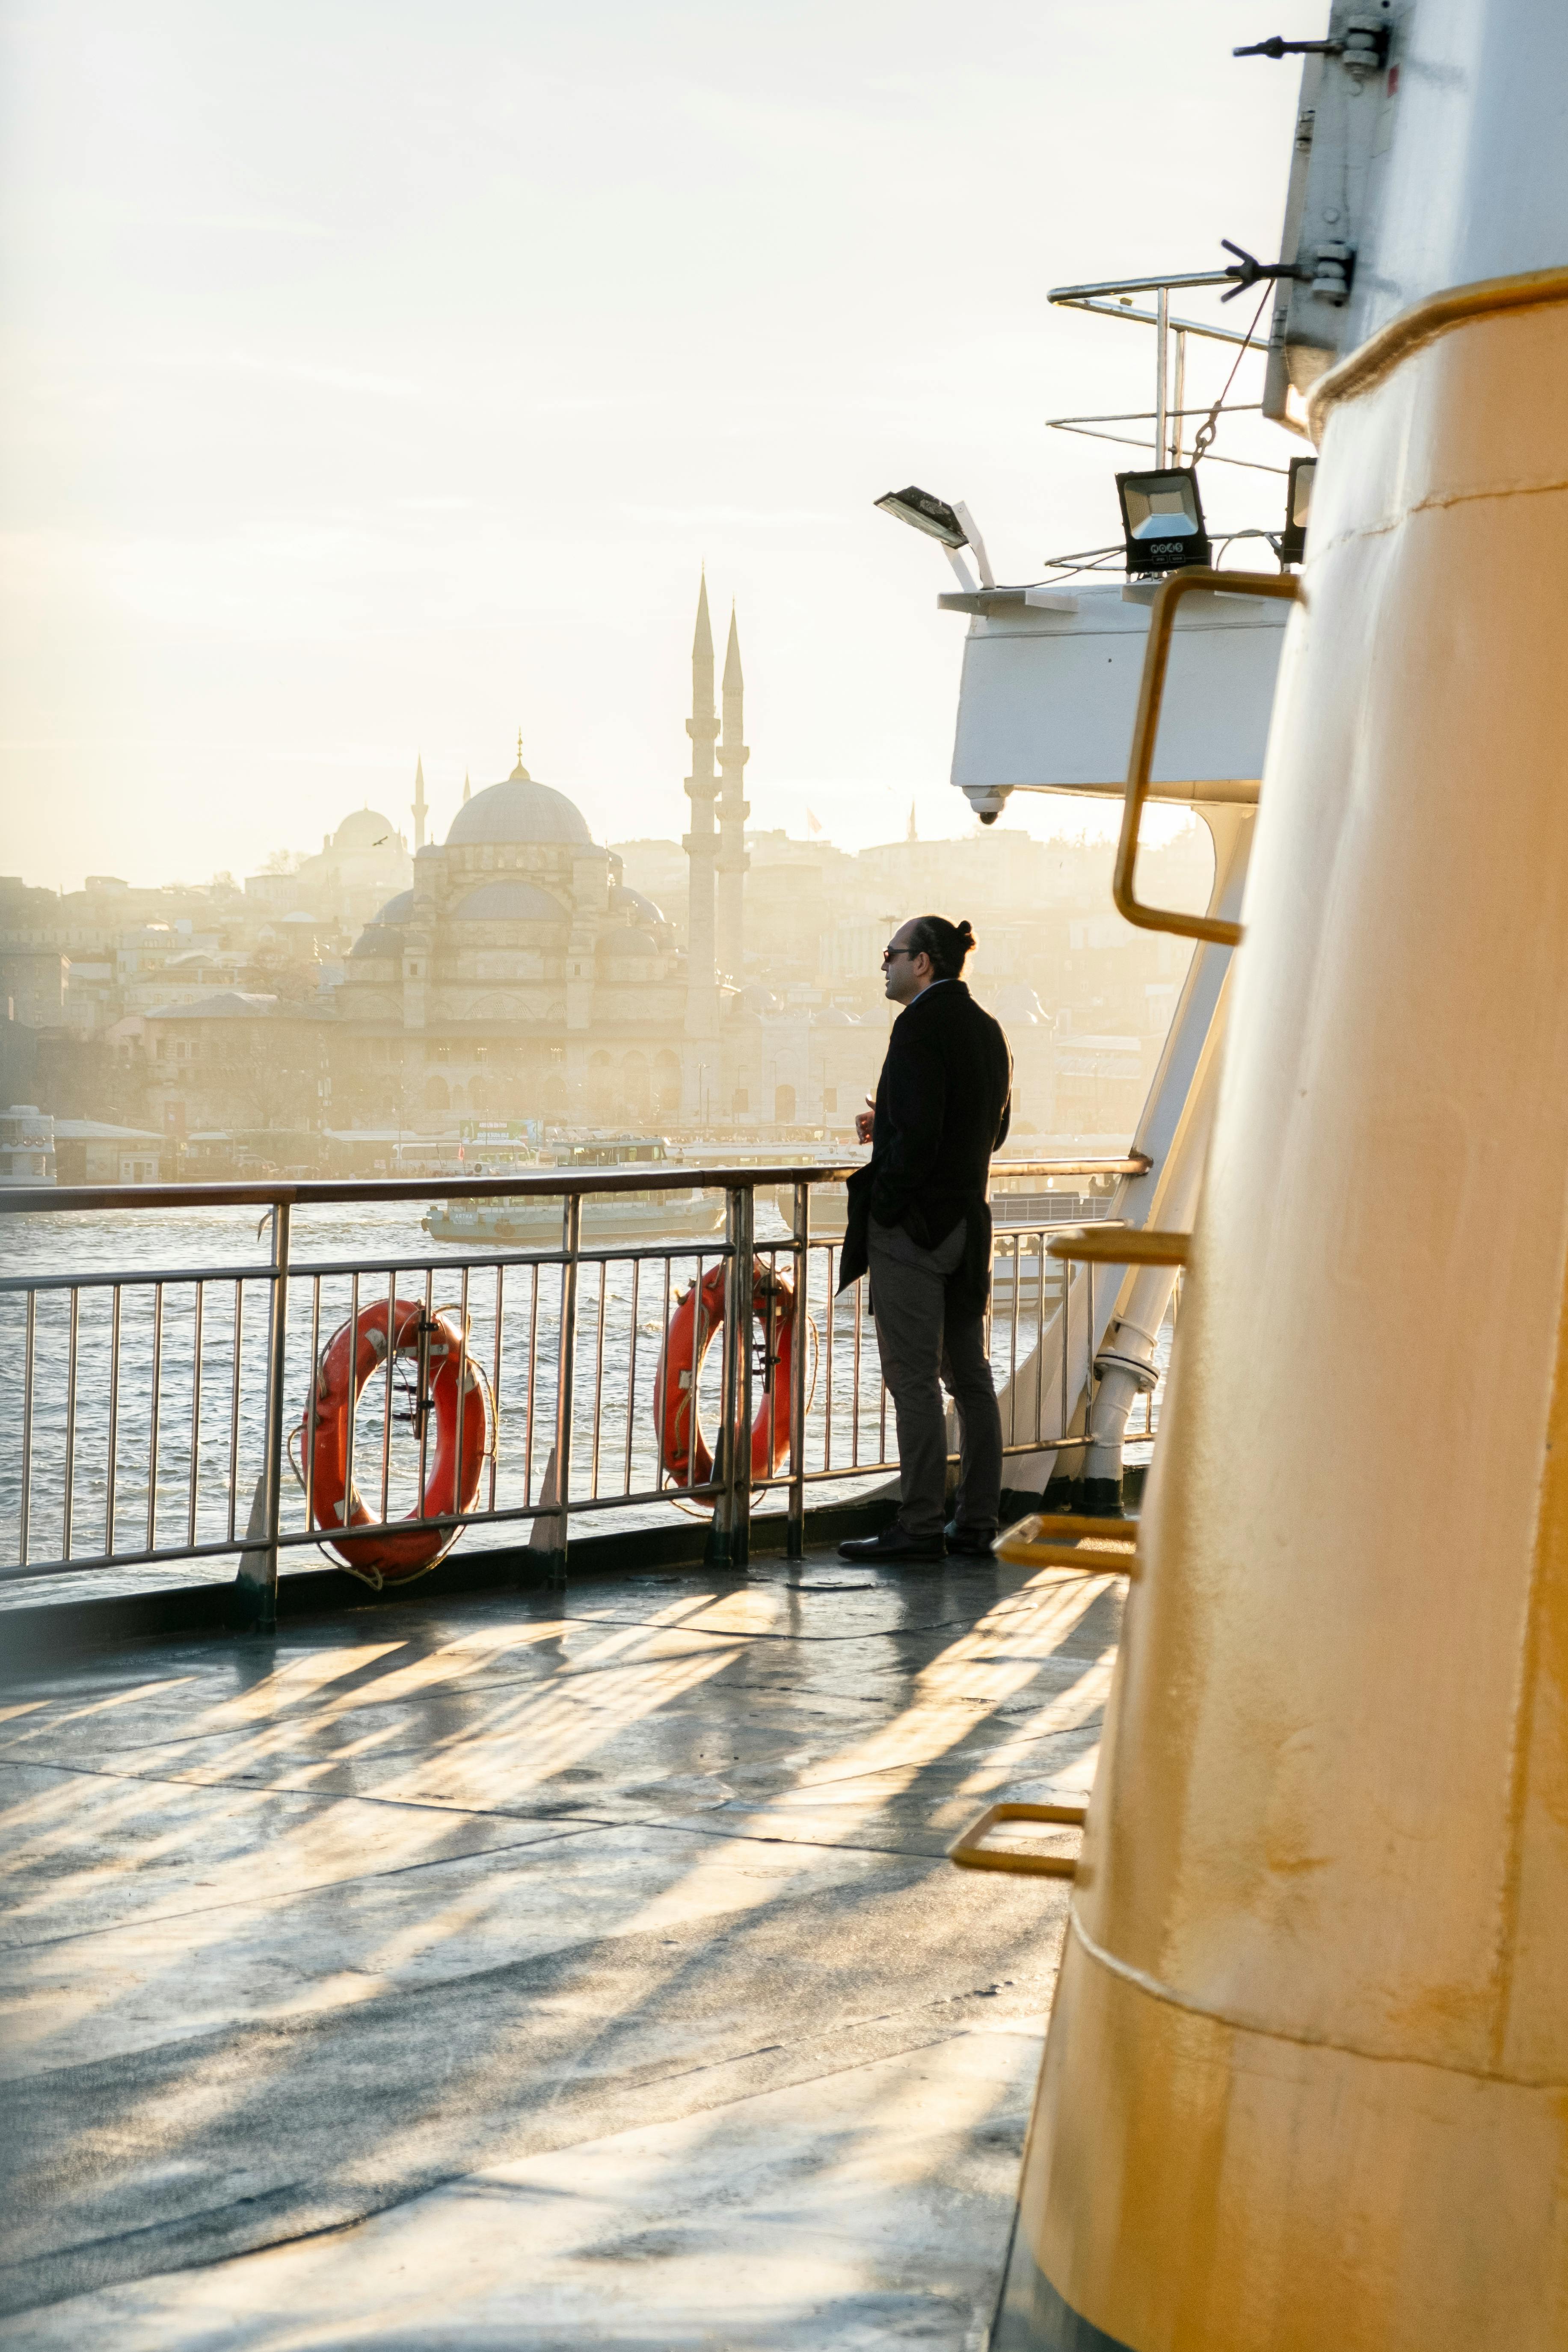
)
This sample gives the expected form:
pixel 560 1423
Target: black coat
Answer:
pixel 943 1105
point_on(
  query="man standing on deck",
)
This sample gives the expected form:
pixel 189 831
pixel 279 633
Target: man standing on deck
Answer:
pixel 920 1220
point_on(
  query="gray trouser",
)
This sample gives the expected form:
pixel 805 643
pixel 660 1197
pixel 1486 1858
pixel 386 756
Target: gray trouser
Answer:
pixel 924 1344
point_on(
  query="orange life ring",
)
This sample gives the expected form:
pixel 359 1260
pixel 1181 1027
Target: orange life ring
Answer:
pixel 683 1451
pixel 348 1359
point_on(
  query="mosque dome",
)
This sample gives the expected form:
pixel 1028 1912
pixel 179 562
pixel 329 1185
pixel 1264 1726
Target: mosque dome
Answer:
pixel 398 909
pixel 366 829
pixel 519 810
pixel 508 902
pixel 628 902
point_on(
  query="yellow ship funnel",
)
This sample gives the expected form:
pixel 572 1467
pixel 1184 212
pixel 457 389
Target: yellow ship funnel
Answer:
pixel 1306 2084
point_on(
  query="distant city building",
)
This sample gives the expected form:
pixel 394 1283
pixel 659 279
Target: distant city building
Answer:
pixel 358 869
pixel 517 974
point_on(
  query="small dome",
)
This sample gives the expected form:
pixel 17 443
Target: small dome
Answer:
pixel 398 909
pixel 508 902
pixel 519 810
pixel 628 902
pixel 620 943
pixel 366 829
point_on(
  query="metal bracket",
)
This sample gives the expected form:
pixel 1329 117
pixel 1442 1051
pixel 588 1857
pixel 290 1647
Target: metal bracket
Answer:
pixel 1119 1245
pixel 970 1852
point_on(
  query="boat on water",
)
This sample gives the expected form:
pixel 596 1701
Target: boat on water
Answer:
pixel 533 1220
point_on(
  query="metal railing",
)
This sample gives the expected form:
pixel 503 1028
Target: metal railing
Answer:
pixel 163 1409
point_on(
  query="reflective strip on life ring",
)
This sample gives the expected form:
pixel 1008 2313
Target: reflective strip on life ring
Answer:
pixel 347 1361
pixel 683 1451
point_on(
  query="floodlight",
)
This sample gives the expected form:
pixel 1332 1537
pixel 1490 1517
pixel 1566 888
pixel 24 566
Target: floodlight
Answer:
pixel 1298 510
pixel 922 512
pixel 1162 519
pixel 953 526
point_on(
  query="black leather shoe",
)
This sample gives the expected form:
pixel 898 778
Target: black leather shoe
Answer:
pixel 969 1543
pixel 894 1545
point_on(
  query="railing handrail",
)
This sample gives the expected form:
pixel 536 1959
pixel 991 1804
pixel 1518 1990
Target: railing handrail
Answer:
pixel 549 1504
pixel 659 1176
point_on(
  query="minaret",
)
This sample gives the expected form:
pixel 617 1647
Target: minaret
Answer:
pixel 419 803
pixel 701 843
pixel 732 813
pixel 468 788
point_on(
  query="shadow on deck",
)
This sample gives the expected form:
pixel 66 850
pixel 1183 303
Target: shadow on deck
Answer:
pixel 545 1970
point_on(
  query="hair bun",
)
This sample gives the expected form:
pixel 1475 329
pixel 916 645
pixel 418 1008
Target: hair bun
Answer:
pixel 964 933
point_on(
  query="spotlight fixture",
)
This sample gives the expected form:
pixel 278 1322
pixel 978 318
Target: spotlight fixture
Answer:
pixel 1163 520
pixel 953 526
pixel 1297 510
pixel 924 512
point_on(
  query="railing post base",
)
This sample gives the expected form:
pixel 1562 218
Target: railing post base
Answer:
pixel 256 1578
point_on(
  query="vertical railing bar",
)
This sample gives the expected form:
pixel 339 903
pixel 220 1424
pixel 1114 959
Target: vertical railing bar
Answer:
pixel 386 1365
pixel 234 1406
pixel 855 1387
pixel 152 1428
pixel 599 1369
pixel 495 1384
pixel 794 1532
pixel 746 1245
pixel 570 1244
pixel 195 1410
pixel 664 1344
pixel 29 1350
pixel 695 1422
pixel 464 1374
pixel 729 1539
pixel 68 1498
pixel 769 1354
pixel 831 1319
pixel 1040 1345
pixel 423 1379
pixel 1068 1272
pixel 532 1363
pixel 351 1402
pixel 632 1373
pixel 112 1464
pixel 263 1604
pixel 1013 1342
pixel 313 1403
pixel 1088 1361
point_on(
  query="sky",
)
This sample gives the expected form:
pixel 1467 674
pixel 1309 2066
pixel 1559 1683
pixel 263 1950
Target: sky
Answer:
pixel 376 379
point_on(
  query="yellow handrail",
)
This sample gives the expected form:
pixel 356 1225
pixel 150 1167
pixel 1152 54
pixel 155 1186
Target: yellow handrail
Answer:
pixel 1121 1246
pixel 1146 727
pixel 970 1853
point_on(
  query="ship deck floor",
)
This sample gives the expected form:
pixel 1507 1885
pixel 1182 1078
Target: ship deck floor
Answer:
pixel 545 1971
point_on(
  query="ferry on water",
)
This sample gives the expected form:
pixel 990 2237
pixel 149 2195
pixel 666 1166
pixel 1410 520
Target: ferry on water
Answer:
pixel 689 1215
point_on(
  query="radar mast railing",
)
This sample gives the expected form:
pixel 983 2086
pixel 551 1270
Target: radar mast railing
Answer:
pixel 1111 297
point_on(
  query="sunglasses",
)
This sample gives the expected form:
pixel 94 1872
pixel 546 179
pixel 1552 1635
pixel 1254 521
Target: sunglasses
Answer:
pixel 889 953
